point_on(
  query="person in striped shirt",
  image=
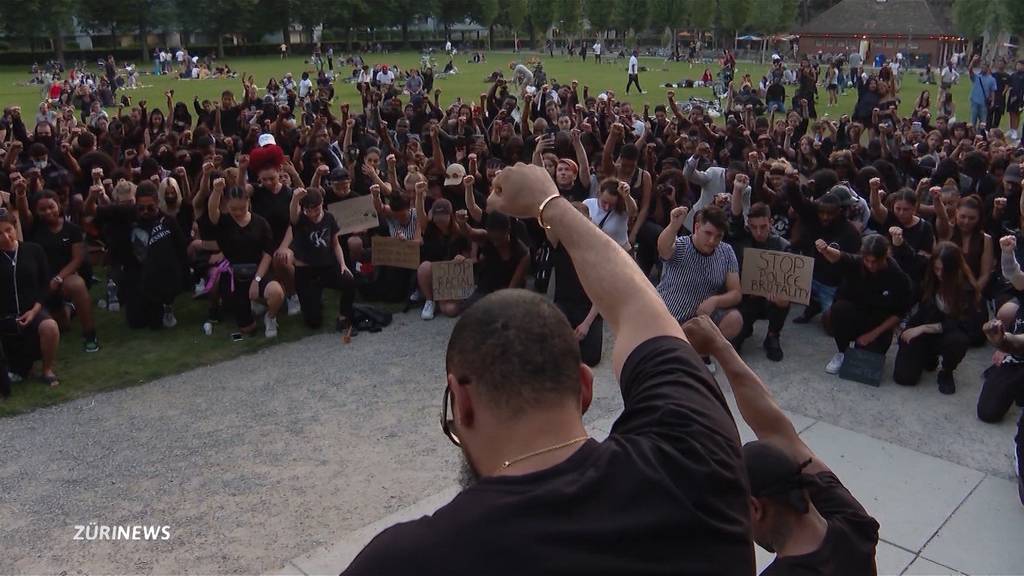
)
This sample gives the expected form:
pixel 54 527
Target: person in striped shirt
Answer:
pixel 701 274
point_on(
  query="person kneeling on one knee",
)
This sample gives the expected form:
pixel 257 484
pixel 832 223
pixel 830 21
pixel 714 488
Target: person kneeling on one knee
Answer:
pixel 757 233
pixel 949 313
pixel 874 295
pixel 701 274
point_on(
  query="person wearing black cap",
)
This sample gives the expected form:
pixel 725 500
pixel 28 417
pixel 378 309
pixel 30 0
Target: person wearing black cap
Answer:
pixel 874 296
pixel 799 509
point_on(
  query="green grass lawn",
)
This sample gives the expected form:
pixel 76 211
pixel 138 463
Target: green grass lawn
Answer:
pixel 133 357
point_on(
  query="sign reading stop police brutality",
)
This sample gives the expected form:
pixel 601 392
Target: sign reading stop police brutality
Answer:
pixel 771 273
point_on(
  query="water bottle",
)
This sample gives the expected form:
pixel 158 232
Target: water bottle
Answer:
pixel 112 303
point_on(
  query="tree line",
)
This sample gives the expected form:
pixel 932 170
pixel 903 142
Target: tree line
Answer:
pixel 49 22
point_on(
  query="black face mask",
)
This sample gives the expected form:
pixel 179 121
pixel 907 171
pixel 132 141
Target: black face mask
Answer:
pixel 45 140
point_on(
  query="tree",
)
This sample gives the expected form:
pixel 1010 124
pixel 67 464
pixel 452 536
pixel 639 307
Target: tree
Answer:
pixel 630 15
pixel 568 14
pixel 598 14
pixel 486 13
pixel 515 14
pixel 402 13
pixel 217 18
pixel 981 19
pixel 673 14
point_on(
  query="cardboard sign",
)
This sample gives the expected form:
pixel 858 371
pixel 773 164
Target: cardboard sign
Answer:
pixel 355 214
pixel 388 251
pixel 771 273
pixel 452 280
pixel 863 366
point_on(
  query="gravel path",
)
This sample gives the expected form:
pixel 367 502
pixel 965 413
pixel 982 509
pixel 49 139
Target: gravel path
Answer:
pixel 260 459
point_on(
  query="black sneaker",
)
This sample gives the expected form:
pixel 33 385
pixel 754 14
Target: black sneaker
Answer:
pixel 91 345
pixel 946 383
pixel 772 348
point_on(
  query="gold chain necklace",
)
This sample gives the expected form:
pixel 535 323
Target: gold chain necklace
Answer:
pixel 508 463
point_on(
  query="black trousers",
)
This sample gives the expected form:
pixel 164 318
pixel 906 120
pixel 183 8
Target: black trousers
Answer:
pixel 995 115
pixel 591 346
pixel 754 308
pixel 142 309
pixel 647 245
pixel 310 282
pixel 913 357
pixel 1002 386
pixel 848 323
pixel 634 79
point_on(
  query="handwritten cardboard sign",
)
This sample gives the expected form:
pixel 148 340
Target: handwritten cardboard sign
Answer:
pixel 388 251
pixel 863 366
pixel 355 214
pixel 771 273
pixel 452 280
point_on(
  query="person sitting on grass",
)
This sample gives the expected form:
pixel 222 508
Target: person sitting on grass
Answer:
pixel 27 333
pixel 247 242
pixel 319 260
pixel 149 252
pixel 64 245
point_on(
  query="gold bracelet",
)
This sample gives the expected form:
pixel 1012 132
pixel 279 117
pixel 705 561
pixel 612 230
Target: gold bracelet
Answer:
pixel 543 205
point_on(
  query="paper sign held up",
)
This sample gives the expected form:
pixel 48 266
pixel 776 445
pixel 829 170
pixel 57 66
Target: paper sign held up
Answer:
pixel 355 214
pixel 771 273
pixel 452 280
pixel 388 251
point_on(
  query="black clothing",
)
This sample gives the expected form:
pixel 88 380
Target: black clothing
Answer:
pixel 495 273
pixel 313 242
pixel 24 278
pixel 671 466
pixel 56 245
pixel 310 282
pixel 275 208
pixel 849 544
pixel 840 231
pixel 245 245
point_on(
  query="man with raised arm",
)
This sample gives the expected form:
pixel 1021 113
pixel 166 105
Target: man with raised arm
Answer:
pixel 664 494
pixel 798 508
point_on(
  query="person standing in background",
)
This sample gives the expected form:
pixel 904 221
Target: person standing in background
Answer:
pixel 634 76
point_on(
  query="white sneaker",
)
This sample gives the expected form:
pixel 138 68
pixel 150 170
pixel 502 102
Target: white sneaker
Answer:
pixel 1012 134
pixel 200 288
pixel 271 327
pixel 169 320
pixel 835 364
pixel 294 307
pixel 416 296
pixel 428 310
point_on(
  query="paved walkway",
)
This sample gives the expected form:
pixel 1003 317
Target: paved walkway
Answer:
pixel 306 450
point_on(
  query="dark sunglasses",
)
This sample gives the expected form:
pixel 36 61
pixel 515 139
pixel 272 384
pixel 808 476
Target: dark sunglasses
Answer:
pixel 447 418
pixel 147 208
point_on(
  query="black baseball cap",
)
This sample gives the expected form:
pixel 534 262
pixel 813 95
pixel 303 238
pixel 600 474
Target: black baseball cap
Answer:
pixel 770 471
pixel 339 174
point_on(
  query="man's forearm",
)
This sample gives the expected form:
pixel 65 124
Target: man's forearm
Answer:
pixel 1011 270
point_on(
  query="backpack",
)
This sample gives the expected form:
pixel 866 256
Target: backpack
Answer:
pixel 369 318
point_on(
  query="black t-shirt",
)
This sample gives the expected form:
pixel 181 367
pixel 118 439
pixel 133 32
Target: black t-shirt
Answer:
pixel 245 245
pixel 849 545
pixel 575 193
pixel 27 283
pixel 438 247
pixel 920 236
pixel 115 223
pixel 568 289
pixel 886 292
pixel 56 245
pixel 495 273
pixel 664 494
pixel 275 209
pixel 313 242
